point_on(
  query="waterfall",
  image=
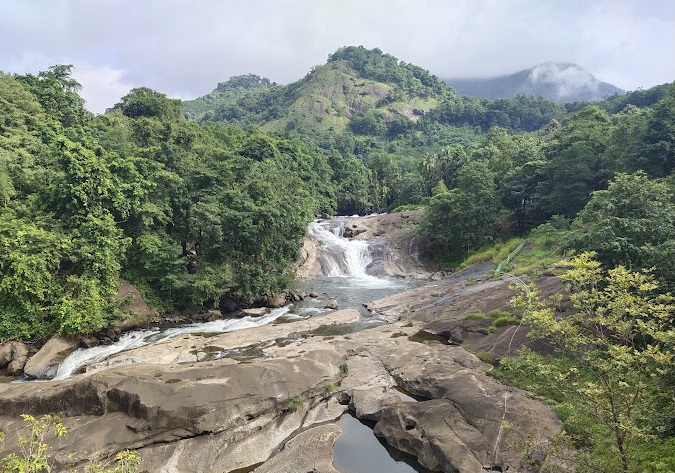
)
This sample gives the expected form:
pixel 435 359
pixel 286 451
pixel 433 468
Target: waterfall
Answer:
pixel 337 255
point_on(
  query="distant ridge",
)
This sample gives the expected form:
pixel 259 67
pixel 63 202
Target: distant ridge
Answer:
pixel 558 82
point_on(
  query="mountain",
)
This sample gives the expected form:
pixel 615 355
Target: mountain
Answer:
pixel 357 88
pixel 558 82
pixel 226 92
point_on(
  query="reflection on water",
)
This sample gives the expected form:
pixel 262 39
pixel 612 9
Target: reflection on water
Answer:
pixel 358 450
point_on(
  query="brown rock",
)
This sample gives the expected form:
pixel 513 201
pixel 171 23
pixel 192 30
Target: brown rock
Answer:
pixel 333 305
pixel 44 363
pixel 279 300
pixel 13 357
pixel 256 312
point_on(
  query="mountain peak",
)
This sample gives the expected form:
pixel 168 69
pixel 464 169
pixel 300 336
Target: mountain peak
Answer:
pixel 557 81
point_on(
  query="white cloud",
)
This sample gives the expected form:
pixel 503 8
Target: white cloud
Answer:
pixel 102 86
pixel 185 47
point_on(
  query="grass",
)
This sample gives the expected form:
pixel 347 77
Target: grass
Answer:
pixel 474 316
pixel 495 253
pixel 295 403
pixel 486 357
pixel 502 322
pixel 541 252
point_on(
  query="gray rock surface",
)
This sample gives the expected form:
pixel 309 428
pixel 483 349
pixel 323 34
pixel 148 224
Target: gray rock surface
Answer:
pixel 13 357
pixel 44 363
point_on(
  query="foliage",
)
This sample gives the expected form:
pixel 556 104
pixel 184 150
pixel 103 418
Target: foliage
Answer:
pixel 632 223
pixel 464 216
pixel 618 343
pixel 296 403
pixel 189 213
pixel 35 454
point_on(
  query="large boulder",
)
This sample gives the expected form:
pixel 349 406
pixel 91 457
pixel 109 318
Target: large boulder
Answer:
pixel 45 363
pixel 13 357
pixel 310 451
pixel 141 313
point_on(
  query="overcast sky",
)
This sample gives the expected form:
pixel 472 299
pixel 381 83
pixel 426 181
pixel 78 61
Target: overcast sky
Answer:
pixel 185 47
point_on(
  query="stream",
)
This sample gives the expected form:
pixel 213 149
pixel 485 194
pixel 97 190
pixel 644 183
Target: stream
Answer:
pixel 344 263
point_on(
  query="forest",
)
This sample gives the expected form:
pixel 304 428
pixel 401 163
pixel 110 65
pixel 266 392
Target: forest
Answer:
pixel 200 202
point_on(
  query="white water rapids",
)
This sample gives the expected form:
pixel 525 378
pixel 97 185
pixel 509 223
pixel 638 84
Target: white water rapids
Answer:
pixel 344 264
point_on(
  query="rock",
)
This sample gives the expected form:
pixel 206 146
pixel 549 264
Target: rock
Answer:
pixel 313 295
pixel 141 312
pixel 228 414
pixel 298 295
pixel 89 341
pixel 44 363
pixel 13 357
pixel 308 452
pixel 256 312
pixel 227 305
pixel 333 305
pixel 213 315
pixel 278 300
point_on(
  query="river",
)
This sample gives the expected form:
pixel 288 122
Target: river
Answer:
pixel 345 278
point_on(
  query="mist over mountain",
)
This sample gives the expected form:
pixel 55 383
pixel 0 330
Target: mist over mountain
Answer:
pixel 558 82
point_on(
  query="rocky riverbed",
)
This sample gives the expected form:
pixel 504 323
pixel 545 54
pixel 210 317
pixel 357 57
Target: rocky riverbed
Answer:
pixel 267 399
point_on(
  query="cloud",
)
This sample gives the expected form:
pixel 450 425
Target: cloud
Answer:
pixel 185 47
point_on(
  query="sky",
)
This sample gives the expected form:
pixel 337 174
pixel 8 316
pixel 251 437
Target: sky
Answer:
pixel 184 48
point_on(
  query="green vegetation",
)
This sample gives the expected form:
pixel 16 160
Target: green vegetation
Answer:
pixel 35 454
pixel 296 403
pixel 474 316
pixel 188 213
pixel 610 384
pixel 193 212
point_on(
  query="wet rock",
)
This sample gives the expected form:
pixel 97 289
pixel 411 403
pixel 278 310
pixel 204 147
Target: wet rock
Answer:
pixel 89 341
pixel 256 312
pixel 278 300
pixel 333 305
pixel 45 363
pixel 213 315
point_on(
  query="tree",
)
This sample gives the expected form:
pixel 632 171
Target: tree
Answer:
pixel 145 102
pixel 619 339
pixel 575 165
pixel 461 218
pixel 659 159
pixel 632 224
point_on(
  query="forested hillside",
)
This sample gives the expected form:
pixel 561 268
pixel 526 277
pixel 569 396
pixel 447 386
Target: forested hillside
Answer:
pixel 194 211
pixel 188 213
pixel 207 202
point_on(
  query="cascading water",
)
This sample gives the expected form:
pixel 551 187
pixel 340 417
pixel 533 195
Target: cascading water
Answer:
pixel 138 338
pixel 338 255
pixel 344 263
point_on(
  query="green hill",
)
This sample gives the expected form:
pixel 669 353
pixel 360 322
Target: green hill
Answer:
pixel 371 89
pixel 226 92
